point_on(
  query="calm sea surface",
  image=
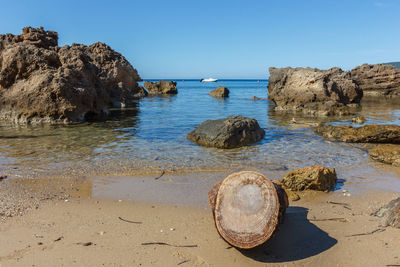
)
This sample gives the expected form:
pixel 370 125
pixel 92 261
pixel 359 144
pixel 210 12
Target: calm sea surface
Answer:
pixel 152 136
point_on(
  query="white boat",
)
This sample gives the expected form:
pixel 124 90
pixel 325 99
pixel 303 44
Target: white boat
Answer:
pixel 208 80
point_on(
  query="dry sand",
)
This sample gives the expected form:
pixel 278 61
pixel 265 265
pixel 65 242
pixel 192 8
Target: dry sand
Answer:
pixel 87 231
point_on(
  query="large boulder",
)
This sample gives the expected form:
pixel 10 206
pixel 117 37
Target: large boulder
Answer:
pixel 377 80
pixel 220 92
pixel 386 153
pixel 41 82
pixel 390 213
pixel 319 92
pixel 389 134
pixel 161 88
pixel 315 177
pixel 231 132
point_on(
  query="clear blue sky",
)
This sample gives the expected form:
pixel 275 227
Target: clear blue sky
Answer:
pixel 221 38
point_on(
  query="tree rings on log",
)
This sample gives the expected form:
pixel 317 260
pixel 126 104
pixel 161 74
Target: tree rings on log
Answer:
pixel 247 208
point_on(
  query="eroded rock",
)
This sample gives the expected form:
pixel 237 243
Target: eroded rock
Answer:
pixel 390 213
pixel 374 133
pixel 231 132
pixel 387 153
pixel 41 82
pixel 314 177
pixel 161 88
pixel 377 80
pixel 314 91
pixel 220 92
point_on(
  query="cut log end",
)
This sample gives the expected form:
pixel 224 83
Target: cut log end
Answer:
pixel 247 208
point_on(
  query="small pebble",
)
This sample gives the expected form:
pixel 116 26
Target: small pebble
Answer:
pixel 161 231
pixel 172 229
pixel 344 191
pixel 120 200
pixel 66 200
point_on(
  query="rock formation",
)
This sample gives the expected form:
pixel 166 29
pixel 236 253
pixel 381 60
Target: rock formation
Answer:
pixel 41 82
pixel 220 92
pixel 315 177
pixel 389 134
pixel 231 132
pixel 319 92
pixel 161 88
pixel 390 213
pixel 386 153
pixel 377 80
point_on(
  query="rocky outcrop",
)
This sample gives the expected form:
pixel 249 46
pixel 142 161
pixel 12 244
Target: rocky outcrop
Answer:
pixel 390 213
pixel 315 177
pixel 231 132
pixel 41 82
pixel 161 88
pixel 377 80
pixel 319 92
pixel 220 92
pixel 387 153
pixel 389 134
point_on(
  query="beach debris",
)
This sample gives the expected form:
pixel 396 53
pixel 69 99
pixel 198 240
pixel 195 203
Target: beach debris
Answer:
pixel 182 262
pixel 220 92
pixel 101 233
pixel 247 208
pixel 3 177
pixel 330 219
pixel 58 239
pixel 230 132
pixel 378 230
pixel 166 244
pixel 40 243
pixel 344 205
pixel 172 229
pixel 161 175
pixel 85 244
pixel 37 236
pixel 315 177
pixel 128 221
pixel 161 231
pixel 390 213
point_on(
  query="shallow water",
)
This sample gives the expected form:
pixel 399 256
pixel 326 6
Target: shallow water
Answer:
pixel 152 137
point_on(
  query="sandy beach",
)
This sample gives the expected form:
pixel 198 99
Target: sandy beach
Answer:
pixel 71 227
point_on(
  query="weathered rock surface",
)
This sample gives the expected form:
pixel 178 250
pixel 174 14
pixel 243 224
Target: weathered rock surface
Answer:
pixel 161 88
pixel 220 92
pixel 231 132
pixel 315 177
pixel 319 92
pixel 390 213
pixel 389 134
pixel 387 153
pixel 41 82
pixel 377 80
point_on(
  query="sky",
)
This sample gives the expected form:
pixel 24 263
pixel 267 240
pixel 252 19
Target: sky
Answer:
pixel 221 38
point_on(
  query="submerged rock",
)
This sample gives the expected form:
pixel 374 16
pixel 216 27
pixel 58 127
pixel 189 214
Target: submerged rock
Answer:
pixel 390 213
pixel 314 91
pixel 220 92
pixel 315 177
pixel 388 153
pixel 41 82
pixel 389 134
pixel 161 88
pixel 377 80
pixel 231 132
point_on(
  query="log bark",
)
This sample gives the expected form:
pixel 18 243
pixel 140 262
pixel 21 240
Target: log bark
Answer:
pixel 247 208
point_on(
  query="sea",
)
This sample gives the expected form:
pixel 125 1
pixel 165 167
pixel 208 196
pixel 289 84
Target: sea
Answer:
pixel 150 137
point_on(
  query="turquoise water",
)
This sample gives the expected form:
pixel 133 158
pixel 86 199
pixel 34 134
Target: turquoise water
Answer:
pixel 152 137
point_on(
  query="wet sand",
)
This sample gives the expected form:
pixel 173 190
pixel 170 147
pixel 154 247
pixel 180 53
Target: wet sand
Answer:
pixel 78 224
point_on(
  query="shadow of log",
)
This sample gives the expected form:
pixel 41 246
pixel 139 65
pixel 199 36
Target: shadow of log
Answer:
pixel 296 239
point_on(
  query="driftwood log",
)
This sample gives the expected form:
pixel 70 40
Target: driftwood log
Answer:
pixel 247 208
